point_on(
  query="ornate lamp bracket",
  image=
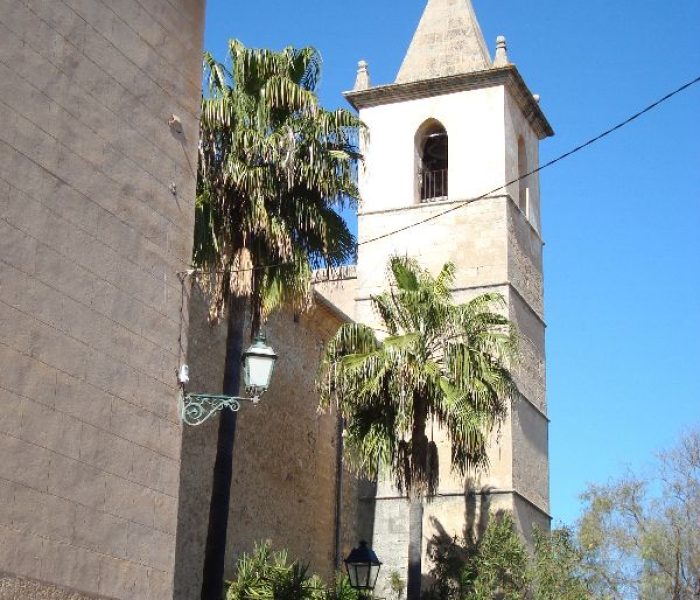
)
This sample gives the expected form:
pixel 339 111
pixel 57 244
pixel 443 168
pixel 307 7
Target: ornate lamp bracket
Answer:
pixel 195 409
pixel 258 363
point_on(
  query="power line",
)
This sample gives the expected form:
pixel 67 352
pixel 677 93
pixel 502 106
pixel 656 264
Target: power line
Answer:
pixel 464 203
pixel 540 168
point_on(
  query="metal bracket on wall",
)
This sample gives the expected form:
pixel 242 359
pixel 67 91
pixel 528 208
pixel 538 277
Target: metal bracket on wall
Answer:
pixel 195 409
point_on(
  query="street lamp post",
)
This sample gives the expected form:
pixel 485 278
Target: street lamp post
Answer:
pixel 258 363
pixel 363 567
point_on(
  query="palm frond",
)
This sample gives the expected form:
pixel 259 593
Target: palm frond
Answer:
pixel 273 167
pixel 439 361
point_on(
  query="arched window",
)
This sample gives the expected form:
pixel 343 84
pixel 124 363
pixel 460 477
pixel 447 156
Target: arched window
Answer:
pixel 523 184
pixel 432 161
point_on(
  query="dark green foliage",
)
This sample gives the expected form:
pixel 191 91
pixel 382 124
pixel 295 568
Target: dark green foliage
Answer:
pixel 498 566
pixel 440 362
pixel 268 575
pixel 558 568
pixel 273 167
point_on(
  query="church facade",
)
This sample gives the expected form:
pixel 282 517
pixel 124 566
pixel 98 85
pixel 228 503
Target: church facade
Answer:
pixel 103 492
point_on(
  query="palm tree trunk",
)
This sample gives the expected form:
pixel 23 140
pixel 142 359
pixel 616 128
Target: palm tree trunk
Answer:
pixel 215 552
pixel 415 548
pixel 415 504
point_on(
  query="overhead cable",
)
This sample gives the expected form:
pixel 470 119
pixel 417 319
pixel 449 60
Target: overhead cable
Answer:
pixel 552 162
pixel 461 204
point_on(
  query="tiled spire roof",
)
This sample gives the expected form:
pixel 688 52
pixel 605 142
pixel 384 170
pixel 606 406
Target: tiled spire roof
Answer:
pixel 448 41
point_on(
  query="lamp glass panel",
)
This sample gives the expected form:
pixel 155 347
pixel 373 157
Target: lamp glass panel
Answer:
pixel 352 575
pixel 362 575
pixel 374 573
pixel 259 371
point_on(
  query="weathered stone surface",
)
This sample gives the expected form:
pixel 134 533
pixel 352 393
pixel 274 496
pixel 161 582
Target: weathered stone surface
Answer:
pixel 24 463
pixel 489 230
pixel 448 41
pixel 14 588
pixel 285 473
pixel 42 514
pixel 91 239
pixel 131 501
pixel 338 287
pixel 122 579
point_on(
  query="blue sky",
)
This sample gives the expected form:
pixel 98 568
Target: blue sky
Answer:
pixel 621 220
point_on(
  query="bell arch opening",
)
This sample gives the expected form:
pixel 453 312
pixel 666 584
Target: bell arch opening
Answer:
pixel 432 162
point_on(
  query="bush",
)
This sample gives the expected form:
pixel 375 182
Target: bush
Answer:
pixel 268 575
pixel 498 567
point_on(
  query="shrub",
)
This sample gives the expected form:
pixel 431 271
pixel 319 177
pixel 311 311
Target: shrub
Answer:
pixel 267 574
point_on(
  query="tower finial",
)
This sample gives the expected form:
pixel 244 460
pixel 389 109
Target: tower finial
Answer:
pixel 501 59
pixel 362 81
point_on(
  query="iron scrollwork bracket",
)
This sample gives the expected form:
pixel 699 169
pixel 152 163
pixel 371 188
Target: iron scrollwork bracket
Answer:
pixel 197 408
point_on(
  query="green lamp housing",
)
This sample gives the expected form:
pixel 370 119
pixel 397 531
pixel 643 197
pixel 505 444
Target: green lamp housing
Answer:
pixel 258 363
pixel 363 567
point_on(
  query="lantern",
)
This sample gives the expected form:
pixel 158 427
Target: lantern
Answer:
pixel 258 362
pixel 363 567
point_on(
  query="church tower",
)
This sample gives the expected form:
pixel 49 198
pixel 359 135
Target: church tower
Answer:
pixel 444 142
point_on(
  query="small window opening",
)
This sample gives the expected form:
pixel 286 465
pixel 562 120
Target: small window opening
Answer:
pixel 433 164
pixel 523 183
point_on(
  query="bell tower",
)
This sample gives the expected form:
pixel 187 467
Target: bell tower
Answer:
pixel 445 141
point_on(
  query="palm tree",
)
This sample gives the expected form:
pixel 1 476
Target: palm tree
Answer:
pixel 273 167
pixel 437 362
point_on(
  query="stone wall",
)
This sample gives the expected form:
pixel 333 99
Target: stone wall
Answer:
pixel 205 356
pixel 495 247
pixel 16 588
pixel 285 457
pixel 338 287
pixel 91 237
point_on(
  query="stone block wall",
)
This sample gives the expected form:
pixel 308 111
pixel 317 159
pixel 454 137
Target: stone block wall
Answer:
pixel 529 421
pixel 285 457
pixel 339 287
pixel 91 239
pixel 495 247
pixel 206 350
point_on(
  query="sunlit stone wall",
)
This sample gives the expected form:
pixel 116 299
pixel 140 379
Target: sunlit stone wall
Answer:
pixel 96 215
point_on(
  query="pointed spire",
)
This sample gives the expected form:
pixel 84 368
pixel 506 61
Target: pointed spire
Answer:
pixel 448 41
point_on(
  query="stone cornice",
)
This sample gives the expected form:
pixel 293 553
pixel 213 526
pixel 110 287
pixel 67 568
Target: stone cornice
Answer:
pixel 465 494
pixel 425 206
pixel 507 76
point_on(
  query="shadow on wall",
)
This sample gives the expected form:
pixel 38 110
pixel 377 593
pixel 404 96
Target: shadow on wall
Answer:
pixel 447 553
pixel 205 356
pixel 285 478
pixel 366 509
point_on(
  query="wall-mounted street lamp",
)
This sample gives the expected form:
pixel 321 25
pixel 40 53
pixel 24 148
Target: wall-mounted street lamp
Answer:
pixel 258 363
pixel 363 567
